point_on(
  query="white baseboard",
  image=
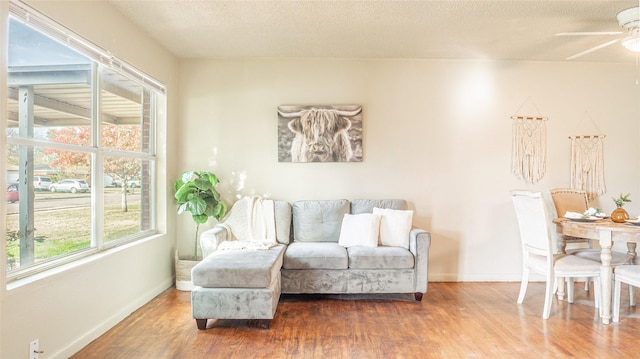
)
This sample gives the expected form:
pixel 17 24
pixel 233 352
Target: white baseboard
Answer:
pixel 82 341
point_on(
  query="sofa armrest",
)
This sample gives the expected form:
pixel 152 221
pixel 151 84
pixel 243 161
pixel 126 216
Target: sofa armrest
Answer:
pixel 419 243
pixel 211 239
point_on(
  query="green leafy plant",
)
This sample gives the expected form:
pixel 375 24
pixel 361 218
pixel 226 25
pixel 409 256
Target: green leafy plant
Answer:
pixel 196 193
pixel 621 200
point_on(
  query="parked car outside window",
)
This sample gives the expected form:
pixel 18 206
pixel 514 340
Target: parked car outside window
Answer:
pixel 13 195
pixel 70 185
pixel 41 183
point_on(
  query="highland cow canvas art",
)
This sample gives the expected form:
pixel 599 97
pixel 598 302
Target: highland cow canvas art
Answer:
pixel 320 133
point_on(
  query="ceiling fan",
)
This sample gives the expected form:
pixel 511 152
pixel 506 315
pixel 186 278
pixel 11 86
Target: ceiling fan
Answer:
pixel 629 19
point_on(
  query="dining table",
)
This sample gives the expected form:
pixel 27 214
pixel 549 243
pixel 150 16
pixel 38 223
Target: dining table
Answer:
pixel 606 232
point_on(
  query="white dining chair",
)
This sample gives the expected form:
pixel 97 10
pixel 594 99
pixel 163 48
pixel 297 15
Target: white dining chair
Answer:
pixel 538 254
pixel 629 275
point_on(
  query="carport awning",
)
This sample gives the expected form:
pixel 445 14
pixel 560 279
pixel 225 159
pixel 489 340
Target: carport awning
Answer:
pixel 62 96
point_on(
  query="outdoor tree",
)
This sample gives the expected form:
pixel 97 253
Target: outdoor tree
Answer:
pixel 122 138
pixel 13 151
pixel 117 137
pixel 70 162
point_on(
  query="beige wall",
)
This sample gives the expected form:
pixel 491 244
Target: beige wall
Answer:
pixel 437 133
pixel 68 308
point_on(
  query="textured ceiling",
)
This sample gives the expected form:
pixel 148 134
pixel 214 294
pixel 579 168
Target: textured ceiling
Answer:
pixel 506 30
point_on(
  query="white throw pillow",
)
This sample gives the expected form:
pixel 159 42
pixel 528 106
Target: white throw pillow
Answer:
pixel 395 226
pixel 359 230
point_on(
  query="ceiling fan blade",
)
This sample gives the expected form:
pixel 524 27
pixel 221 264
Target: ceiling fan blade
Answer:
pixel 592 49
pixel 587 33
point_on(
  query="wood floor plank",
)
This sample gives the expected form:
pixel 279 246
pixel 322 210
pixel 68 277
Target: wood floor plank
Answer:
pixel 454 320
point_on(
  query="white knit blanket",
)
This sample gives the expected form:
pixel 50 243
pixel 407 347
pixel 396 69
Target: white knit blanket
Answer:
pixel 250 225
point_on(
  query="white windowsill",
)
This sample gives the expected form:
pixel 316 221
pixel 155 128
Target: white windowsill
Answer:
pixel 35 277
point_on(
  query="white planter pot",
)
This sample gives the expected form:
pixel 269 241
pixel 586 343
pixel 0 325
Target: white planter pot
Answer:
pixel 183 273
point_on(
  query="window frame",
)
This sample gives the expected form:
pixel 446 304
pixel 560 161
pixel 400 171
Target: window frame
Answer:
pixel 99 58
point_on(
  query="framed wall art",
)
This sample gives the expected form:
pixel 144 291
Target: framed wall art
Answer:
pixel 320 133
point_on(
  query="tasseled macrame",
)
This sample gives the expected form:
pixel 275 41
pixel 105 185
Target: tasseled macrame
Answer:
pixel 587 165
pixel 529 149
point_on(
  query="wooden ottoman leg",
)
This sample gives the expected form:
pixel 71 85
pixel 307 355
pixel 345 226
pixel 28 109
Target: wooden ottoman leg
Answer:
pixel 418 296
pixel 201 323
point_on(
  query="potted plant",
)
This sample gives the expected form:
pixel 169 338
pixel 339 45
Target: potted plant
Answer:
pixel 619 214
pixel 195 192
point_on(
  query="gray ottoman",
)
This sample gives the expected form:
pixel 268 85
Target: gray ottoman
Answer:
pixel 237 284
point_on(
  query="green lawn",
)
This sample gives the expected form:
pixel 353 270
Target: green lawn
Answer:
pixel 65 230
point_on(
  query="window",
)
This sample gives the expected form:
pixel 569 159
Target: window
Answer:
pixel 80 146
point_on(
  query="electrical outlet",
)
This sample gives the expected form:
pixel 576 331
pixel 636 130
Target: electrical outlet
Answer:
pixel 34 349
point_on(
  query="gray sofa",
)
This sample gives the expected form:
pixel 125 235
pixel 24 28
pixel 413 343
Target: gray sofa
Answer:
pixel 307 259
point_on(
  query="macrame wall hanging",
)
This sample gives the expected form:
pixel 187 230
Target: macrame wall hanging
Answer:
pixel 587 163
pixel 529 147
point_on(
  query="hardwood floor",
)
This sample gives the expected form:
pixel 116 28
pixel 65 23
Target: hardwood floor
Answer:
pixel 454 320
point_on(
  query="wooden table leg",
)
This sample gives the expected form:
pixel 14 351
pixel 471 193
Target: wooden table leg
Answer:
pixel 562 244
pixel 631 249
pixel 605 276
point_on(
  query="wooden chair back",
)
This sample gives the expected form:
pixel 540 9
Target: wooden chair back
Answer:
pixel 569 199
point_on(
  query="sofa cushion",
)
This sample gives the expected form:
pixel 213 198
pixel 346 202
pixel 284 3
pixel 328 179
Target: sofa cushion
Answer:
pixel 282 217
pixel 318 255
pixel 395 226
pixel 360 230
pixel 367 205
pixel 318 221
pixel 381 257
pixel 238 268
